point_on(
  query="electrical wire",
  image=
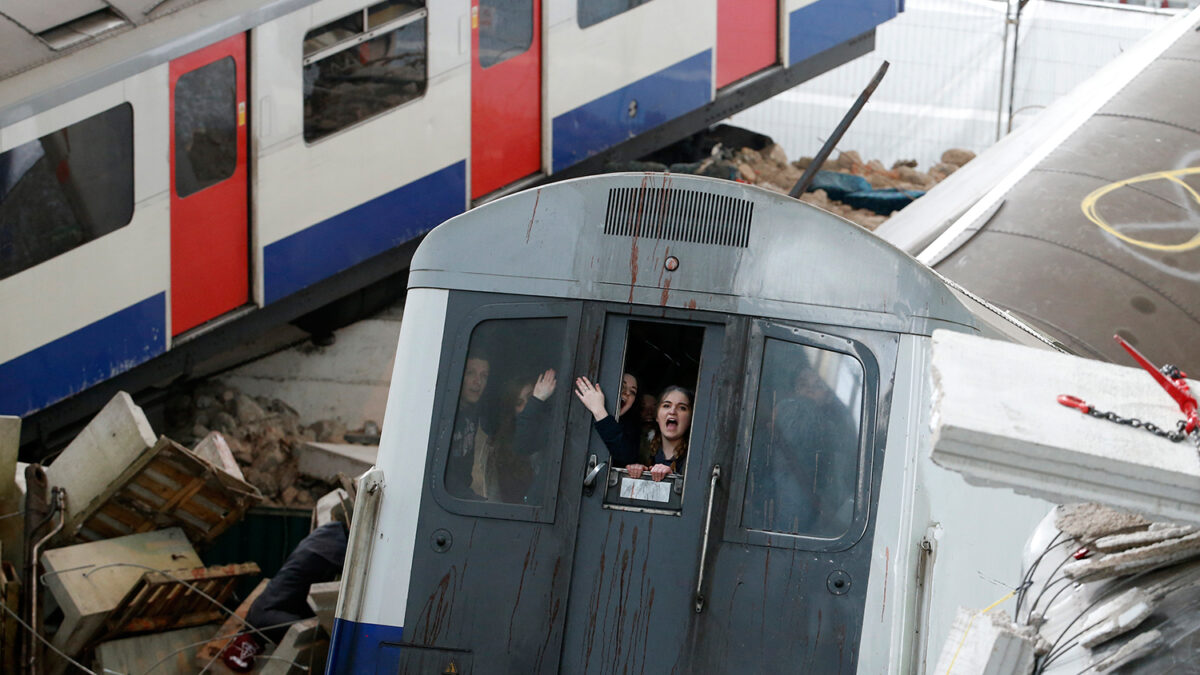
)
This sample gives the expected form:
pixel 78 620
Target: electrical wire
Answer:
pixel 1027 579
pixel 228 639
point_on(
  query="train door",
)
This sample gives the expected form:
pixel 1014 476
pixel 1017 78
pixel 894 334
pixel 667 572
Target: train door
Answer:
pixel 209 215
pixel 747 38
pixel 640 544
pixel 506 92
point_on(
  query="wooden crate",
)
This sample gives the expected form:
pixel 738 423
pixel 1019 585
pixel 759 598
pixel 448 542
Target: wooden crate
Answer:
pixel 158 601
pixel 174 487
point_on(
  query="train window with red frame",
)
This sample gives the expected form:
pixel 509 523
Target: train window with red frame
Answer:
pixel 65 189
pixel 363 65
pixel 591 12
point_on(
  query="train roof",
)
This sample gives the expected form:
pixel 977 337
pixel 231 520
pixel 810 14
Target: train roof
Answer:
pixel 57 50
pixel 740 249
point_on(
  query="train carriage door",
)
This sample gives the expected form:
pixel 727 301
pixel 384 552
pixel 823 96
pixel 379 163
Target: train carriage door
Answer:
pixel 506 87
pixel 747 38
pixel 639 544
pixel 208 149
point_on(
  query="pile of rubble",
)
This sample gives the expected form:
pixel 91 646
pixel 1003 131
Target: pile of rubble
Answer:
pixel 1109 589
pixel 291 464
pixel 866 193
pixel 101 567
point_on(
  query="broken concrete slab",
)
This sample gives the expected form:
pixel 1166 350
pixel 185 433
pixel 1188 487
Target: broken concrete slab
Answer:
pixel 117 440
pixel 293 653
pixel 986 644
pixel 1119 615
pixel 322 599
pixel 169 652
pixel 215 450
pixel 87 589
pixel 1135 560
pixel 1089 522
pixel 325 460
pixel 1122 542
pixel 996 420
pixel 336 505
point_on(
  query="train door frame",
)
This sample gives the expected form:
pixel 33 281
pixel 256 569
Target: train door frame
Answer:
pixel 767 583
pixel 612 563
pixel 506 109
pixel 210 222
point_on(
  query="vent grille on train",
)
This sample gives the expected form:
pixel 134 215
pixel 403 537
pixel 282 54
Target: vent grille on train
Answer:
pixel 679 215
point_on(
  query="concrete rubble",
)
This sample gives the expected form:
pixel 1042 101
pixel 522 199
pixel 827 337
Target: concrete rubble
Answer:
pixel 754 158
pixel 102 550
pixel 1111 583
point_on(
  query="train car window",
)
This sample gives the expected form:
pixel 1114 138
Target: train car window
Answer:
pixel 65 189
pixel 804 451
pixel 514 374
pixel 205 126
pixel 505 30
pixel 363 65
pixel 592 12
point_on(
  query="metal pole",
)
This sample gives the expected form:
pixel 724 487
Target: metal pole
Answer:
pixel 811 172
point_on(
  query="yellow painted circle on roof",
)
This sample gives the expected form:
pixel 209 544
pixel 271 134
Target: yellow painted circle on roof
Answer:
pixel 1089 204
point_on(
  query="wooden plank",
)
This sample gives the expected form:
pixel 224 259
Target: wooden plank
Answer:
pixel 160 602
pixel 208 653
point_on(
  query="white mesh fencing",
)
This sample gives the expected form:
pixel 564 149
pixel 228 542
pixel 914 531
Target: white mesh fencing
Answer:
pixel 944 87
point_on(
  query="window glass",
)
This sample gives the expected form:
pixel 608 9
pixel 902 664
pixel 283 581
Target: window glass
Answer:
pixel 377 15
pixel 324 37
pixel 205 126
pixel 594 11
pixel 502 436
pixel 364 79
pixel 505 30
pixel 804 449
pixel 65 189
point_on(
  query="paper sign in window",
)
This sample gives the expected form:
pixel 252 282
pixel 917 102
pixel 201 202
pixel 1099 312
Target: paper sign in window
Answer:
pixel 646 490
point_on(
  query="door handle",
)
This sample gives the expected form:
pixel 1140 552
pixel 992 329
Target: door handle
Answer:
pixel 589 481
pixel 712 491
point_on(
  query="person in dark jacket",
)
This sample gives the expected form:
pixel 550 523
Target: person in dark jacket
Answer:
pixel 620 435
pixel 318 558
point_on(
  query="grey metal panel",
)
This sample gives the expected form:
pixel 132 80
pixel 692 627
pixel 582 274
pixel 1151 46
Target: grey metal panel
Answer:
pixel 40 15
pixel 1040 257
pixel 1187 48
pixel 139 49
pixel 795 262
pixel 1152 95
pixel 20 46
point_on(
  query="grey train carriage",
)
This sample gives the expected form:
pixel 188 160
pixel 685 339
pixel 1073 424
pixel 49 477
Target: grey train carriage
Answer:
pixel 807 530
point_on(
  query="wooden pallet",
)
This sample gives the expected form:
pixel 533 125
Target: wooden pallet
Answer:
pixel 174 487
pixel 158 601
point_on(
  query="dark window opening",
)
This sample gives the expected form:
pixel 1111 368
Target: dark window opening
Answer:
pixel 592 12
pixel 206 150
pixel 502 436
pixel 505 30
pixel 352 73
pixel 65 189
pixel 804 451
pixel 655 405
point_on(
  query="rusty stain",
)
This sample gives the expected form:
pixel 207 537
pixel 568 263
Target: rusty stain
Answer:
pixel 666 292
pixel 537 197
pixel 437 608
pixel 552 620
pixel 691 304
pixel 887 562
pixel 529 555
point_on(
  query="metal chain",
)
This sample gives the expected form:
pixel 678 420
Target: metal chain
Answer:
pixel 1174 436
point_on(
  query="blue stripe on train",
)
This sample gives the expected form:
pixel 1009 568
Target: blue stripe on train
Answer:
pixel 828 23
pixel 363 648
pixel 604 122
pixel 76 361
pixel 350 237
